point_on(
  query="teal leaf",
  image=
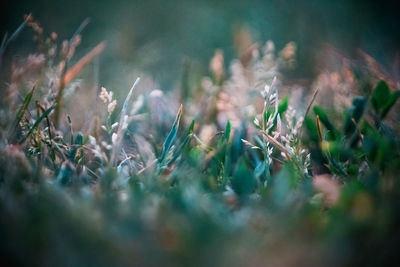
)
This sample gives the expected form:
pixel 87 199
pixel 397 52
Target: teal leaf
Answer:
pixel 243 182
pixel 171 136
pixel 355 113
pixel 226 135
pixel 259 169
pixel 227 131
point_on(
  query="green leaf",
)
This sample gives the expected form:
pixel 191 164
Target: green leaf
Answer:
pixel 355 113
pixel 23 107
pixel 283 105
pixel 37 122
pixel 227 131
pixel 226 135
pixel 185 142
pixel 243 182
pixel 380 96
pixel 259 169
pixel 325 121
pixel 191 127
pixel 389 104
pixel 311 129
pixel 171 136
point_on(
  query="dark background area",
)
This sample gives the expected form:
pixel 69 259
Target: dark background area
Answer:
pixel 155 35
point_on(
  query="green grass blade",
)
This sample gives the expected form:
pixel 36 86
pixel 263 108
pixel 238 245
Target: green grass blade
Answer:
pixel 37 122
pixel 23 108
pixel 171 136
pixel 389 104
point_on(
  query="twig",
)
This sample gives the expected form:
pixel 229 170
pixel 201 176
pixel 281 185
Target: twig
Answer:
pixel 311 102
pixel 277 144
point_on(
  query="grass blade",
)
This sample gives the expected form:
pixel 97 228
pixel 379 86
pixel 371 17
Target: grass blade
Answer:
pixel 117 146
pixel 23 108
pixel 171 136
pixel 37 122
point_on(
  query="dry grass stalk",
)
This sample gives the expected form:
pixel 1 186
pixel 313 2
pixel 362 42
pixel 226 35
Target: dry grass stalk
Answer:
pixel 82 63
pixel 73 72
pixel 277 144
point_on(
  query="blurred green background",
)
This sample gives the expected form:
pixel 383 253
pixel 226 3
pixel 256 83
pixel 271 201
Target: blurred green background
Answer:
pixel 156 35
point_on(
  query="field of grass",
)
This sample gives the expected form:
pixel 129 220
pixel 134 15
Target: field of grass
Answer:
pixel 243 167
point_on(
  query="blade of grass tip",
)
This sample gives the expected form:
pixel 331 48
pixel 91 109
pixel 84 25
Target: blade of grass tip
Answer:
pixel 309 106
pixel 47 120
pixel 3 42
pixel 185 142
pixel 70 129
pixel 6 41
pixel 117 146
pixel 23 107
pixel 311 102
pixel 171 136
pixel 81 27
pixel 51 150
pixel 19 29
pixel 37 122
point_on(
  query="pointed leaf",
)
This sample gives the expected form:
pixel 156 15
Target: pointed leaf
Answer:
pixel 283 105
pixel 23 107
pixel 323 117
pixel 392 100
pixel 37 122
pixel 171 136
pixel 354 115
pixel 380 96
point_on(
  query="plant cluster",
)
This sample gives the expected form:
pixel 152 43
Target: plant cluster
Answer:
pixel 239 177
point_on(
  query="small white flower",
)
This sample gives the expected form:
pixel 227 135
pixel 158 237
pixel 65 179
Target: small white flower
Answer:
pixel 114 138
pixel 266 89
pixel 106 145
pixel 115 125
pixel 111 106
pixel 256 122
pixel 92 140
pixel 106 96
pixel 156 93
